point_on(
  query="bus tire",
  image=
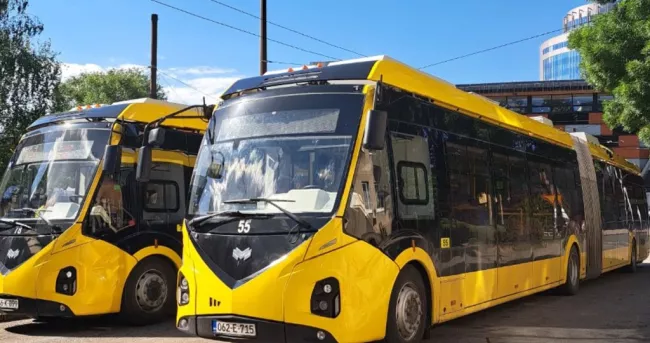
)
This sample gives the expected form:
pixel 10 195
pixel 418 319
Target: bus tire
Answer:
pixel 572 284
pixel 407 311
pixel 632 266
pixel 149 292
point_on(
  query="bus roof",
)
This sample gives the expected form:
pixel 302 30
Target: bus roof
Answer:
pixel 142 110
pixel 445 94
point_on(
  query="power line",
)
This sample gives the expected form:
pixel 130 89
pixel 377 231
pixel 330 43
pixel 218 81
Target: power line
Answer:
pixel 286 28
pixel 286 63
pixel 243 31
pixel 492 48
pixel 184 83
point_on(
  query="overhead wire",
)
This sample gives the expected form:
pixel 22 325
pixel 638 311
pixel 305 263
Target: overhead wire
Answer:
pixel 184 83
pixel 243 31
pixel 287 28
pixel 490 49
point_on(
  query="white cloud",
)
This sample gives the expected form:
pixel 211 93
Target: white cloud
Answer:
pixel 186 85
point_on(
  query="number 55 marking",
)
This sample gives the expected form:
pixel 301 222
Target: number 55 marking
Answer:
pixel 244 226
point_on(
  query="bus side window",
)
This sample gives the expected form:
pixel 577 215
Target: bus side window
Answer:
pixel 370 213
pixel 112 207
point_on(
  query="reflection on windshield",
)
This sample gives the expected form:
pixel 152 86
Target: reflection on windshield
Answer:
pixel 307 170
pixel 50 173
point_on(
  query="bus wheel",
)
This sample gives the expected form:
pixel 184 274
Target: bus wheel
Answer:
pixel 149 292
pixel 632 267
pixel 407 310
pixel 572 283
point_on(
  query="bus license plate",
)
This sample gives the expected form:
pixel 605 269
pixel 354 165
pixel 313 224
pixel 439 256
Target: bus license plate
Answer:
pixel 233 329
pixel 11 304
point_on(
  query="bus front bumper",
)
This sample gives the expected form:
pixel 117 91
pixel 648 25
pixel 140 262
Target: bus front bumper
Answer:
pixel 265 331
pixel 33 308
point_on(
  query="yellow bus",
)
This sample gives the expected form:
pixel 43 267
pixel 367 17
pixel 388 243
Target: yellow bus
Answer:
pixel 363 200
pixel 80 233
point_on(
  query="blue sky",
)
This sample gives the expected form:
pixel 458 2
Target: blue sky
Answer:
pixel 100 34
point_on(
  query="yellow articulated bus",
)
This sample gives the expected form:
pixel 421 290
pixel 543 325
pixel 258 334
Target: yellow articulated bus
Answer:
pixel 80 233
pixel 364 200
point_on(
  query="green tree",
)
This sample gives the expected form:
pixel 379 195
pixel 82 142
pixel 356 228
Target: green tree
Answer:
pixel 106 87
pixel 615 53
pixel 29 74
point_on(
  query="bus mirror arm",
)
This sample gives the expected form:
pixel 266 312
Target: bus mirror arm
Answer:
pixel 374 137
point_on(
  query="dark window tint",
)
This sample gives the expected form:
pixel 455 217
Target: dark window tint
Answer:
pixel 161 196
pixel 413 183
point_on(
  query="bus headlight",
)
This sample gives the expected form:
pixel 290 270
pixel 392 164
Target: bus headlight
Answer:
pixel 183 290
pixel 66 281
pixel 326 298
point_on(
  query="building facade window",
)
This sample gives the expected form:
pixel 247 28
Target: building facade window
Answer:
pixel 564 66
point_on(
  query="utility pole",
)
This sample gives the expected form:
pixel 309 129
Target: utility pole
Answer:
pixel 154 55
pixel 262 37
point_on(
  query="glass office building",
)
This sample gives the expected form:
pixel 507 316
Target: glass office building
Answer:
pixel 557 61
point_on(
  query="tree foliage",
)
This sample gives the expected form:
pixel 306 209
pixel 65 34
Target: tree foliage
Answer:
pixel 615 53
pixel 106 87
pixel 29 74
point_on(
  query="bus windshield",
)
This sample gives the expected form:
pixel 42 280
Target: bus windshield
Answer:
pixel 293 148
pixel 50 173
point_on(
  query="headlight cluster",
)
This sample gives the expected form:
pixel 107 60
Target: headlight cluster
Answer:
pixel 66 281
pixel 183 291
pixel 326 298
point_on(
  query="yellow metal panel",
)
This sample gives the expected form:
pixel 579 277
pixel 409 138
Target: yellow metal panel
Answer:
pixel 546 271
pixel 148 112
pixel 514 279
pixel 159 250
pixel 102 270
pixel 420 256
pixel 189 272
pixel 366 278
pixel 495 302
pixel 328 238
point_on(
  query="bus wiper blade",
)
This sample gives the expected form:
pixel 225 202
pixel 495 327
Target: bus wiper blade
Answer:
pixel 15 223
pixel 199 220
pixel 301 222
pixel 53 228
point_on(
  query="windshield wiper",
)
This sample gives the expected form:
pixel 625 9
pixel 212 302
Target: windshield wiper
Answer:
pixel 15 223
pixel 301 222
pixel 53 228
pixel 199 220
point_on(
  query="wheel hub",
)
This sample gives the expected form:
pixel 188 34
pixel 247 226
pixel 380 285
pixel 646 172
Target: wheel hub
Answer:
pixel 151 291
pixel 408 311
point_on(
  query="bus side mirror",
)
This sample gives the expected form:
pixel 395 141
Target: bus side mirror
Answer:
pixel 374 137
pixel 112 159
pixel 143 171
pixel 156 137
pixel 215 170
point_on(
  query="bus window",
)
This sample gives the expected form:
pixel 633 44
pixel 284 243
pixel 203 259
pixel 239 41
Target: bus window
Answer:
pixel 413 177
pixel 370 214
pixel 112 208
pixel 511 194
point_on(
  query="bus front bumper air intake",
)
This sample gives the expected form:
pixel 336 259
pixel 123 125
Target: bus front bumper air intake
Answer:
pixel 239 328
